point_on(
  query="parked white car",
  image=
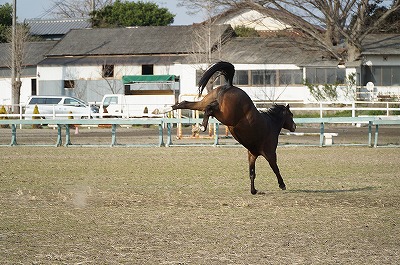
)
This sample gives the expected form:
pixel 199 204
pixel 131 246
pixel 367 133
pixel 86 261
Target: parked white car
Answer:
pixel 60 107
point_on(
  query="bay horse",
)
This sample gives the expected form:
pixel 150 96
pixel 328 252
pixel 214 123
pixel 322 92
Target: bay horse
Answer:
pixel 257 131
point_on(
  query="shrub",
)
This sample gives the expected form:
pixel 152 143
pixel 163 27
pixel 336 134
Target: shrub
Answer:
pixel 243 31
pixel 3 111
pixel 36 111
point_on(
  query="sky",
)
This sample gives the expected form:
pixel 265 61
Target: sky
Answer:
pixel 28 9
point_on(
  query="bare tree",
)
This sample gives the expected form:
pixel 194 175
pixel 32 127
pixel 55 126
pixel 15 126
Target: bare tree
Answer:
pixel 19 49
pixel 331 23
pixel 204 44
pixel 77 8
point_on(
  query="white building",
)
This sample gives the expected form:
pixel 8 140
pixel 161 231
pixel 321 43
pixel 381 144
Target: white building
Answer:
pixel 89 63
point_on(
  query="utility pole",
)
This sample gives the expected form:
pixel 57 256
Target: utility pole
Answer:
pixel 93 9
pixel 13 55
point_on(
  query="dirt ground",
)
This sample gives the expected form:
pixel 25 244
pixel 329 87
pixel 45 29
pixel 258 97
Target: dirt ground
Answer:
pixel 192 205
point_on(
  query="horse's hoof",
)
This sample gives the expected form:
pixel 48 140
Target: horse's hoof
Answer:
pixel 254 192
pixel 202 128
pixel 282 187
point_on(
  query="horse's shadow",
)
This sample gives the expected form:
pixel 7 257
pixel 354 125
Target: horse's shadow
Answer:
pixel 323 191
pixel 333 190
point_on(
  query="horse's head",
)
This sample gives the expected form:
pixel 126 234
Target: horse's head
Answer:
pixel 288 122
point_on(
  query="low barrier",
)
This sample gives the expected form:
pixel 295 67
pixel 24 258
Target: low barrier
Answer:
pixel 379 122
pixel 324 140
pixel 66 123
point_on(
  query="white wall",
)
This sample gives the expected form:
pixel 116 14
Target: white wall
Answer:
pixel 5 88
pixel 382 60
pixel 256 20
pixel 187 73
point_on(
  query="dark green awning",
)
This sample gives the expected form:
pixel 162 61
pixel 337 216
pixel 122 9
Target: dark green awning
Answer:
pixel 127 79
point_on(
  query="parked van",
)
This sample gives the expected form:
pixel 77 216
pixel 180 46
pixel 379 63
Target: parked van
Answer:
pixel 60 107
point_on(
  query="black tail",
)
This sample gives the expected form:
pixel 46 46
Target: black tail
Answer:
pixel 226 69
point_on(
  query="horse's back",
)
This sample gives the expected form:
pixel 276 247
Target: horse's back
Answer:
pixel 234 105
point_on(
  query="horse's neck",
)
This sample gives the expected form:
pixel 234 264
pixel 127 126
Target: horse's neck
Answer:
pixel 275 124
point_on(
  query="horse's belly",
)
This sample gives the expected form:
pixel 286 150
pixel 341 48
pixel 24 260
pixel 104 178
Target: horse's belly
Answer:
pixel 249 138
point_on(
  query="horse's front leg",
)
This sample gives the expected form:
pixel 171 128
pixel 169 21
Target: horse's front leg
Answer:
pixel 273 164
pixel 252 172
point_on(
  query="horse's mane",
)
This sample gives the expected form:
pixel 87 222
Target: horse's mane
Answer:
pixel 275 112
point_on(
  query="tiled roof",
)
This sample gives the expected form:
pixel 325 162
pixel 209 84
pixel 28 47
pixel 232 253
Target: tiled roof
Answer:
pixel 133 41
pixel 381 44
pixel 278 50
pixel 39 27
pixel 35 52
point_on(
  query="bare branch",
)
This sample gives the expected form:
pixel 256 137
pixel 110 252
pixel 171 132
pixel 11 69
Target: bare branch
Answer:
pixel 76 8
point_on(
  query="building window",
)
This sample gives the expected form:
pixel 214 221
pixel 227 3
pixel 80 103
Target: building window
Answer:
pixel 325 75
pixel 241 78
pixel 147 69
pixel 69 84
pixel 290 77
pixel 382 75
pixel 108 70
pixel 261 77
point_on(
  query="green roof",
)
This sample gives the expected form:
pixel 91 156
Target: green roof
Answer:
pixel 127 79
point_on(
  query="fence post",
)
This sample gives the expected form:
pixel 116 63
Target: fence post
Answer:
pixel 376 135
pixel 13 135
pixel 370 133
pixel 216 135
pixel 169 132
pixel 321 136
pixel 320 110
pixel 387 109
pixel 113 134
pixel 160 135
pixel 59 139
pixel 20 115
pixel 67 136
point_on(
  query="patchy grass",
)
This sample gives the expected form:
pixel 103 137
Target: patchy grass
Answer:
pixel 192 205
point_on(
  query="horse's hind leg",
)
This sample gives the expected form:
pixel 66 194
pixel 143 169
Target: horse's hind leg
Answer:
pixel 272 162
pixel 252 171
pixel 209 111
pixel 192 105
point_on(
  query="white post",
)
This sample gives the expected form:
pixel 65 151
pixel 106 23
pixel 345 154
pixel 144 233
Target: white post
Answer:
pixel 320 110
pixel 387 108
pixel 20 115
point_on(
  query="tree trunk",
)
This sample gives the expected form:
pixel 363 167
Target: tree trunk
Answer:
pixel 16 95
pixel 353 53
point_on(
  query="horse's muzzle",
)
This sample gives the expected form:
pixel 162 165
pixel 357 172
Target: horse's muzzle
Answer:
pixel 293 127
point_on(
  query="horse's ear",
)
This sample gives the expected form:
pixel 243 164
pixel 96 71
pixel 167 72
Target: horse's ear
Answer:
pixel 287 106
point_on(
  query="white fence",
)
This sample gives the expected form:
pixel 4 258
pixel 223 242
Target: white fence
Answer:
pixel 322 108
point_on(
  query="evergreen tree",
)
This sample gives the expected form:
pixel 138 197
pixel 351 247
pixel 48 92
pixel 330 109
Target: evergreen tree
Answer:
pixel 128 14
pixel 5 21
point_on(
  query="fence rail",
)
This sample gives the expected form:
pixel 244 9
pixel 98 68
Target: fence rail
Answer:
pixel 389 108
pixel 371 122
